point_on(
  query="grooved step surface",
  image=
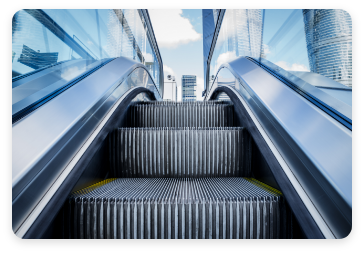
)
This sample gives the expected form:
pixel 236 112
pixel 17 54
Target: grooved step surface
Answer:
pixel 165 208
pixel 179 152
pixel 181 114
pixel 217 102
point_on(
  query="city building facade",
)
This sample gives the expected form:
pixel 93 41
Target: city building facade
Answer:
pixel 329 43
pixel 170 89
pixel 188 87
pixel 229 34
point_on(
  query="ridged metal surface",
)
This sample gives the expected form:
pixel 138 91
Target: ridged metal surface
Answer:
pixel 181 103
pixel 181 114
pixel 179 152
pixel 183 208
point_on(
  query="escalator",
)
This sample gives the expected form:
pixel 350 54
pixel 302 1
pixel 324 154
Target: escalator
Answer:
pixel 123 164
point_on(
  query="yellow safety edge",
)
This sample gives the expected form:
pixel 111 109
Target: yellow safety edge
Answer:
pixel 264 186
pixel 93 187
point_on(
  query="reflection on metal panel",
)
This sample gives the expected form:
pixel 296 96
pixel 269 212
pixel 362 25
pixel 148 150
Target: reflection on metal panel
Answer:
pixel 35 59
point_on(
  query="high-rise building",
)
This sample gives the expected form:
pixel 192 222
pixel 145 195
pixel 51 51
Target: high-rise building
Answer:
pixel 188 87
pixel 170 89
pixel 247 25
pixel 229 34
pixel 329 43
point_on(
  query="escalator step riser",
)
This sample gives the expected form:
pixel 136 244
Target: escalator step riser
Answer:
pixel 134 215
pixel 182 115
pixel 182 152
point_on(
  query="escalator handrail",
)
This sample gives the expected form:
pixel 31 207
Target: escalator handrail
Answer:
pixel 340 117
pixel 17 78
pixel 28 109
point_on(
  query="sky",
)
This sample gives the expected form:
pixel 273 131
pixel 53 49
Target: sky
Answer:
pixel 179 37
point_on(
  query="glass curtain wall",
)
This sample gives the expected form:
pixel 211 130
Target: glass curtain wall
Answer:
pixel 314 46
pixel 240 35
pixel 329 43
pixel 43 38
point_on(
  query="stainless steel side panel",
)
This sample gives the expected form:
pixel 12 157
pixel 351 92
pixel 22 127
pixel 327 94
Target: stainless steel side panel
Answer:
pixel 325 143
pixel 39 137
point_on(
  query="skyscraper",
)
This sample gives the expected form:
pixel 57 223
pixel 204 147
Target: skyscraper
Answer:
pixel 239 34
pixel 248 26
pixel 188 87
pixel 329 43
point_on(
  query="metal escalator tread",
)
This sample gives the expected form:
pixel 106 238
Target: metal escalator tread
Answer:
pixel 181 114
pixel 217 102
pixel 178 152
pixel 178 208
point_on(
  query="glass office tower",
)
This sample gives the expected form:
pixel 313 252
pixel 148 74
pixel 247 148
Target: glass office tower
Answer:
pixel 329 43
pixel 236 33
pixel 188 87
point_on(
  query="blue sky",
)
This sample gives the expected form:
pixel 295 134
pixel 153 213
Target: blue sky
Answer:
pixel 180 57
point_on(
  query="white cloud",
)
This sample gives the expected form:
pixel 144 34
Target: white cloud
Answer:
pixel 168 70
pixel 266 49
pixel 293 67
pixel 171 29
pixel 199 88
pixel 223 58
pixel 148 57
pixel 90 42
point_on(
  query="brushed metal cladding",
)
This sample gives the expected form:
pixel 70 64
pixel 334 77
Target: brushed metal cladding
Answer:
pixel 38 138
pixel 178 208
pixel 319 147
pixel 178 152
pixel 182 114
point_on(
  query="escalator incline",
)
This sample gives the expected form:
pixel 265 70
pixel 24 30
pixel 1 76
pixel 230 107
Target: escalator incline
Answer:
pixel 181 171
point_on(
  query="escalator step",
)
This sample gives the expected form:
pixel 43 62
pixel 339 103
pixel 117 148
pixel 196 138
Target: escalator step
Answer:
pixel 181 114
pixel 179 152
pixel 183 208
pixel 217 102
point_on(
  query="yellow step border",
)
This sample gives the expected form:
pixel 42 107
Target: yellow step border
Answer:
pixel 93 187
pixel 264 186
